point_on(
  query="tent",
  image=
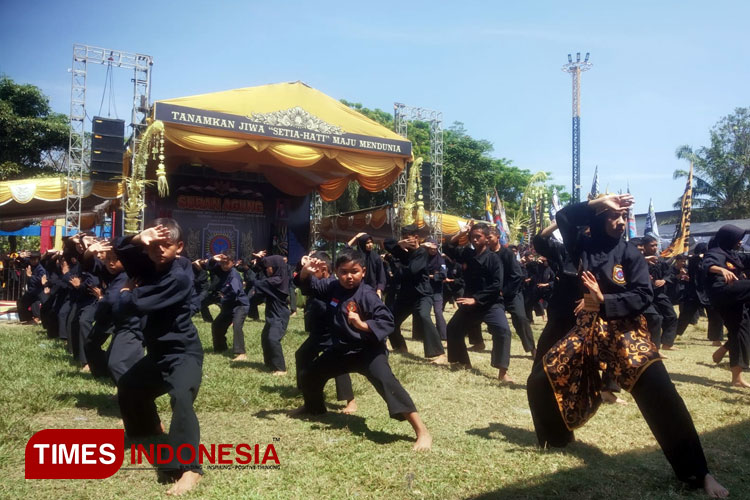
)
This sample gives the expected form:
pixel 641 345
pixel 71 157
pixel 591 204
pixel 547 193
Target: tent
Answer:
pixel 29 201
pixel 298 138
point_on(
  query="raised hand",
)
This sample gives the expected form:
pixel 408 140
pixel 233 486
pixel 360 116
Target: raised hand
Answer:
pixel 614 202
pixel 154 235
pixel 589 281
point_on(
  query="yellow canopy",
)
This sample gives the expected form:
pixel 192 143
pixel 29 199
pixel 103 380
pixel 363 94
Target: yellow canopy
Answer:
pixel 52 189
pixel 297 137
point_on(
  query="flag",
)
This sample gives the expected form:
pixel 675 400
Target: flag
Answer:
pixel 595 184
pixel 631 221
pixel 652 229
pixel 553 209
pixel 500 220
pixel 488 207
pixel 681 240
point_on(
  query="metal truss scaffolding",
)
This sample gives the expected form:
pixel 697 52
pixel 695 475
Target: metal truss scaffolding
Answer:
pixel 82 56
pixel 402 115
pixel 316 216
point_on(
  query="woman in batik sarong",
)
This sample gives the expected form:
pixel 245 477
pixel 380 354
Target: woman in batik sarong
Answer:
pixel 610 335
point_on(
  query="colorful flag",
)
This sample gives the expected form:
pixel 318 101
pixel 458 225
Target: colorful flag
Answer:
pixel 631 221
pixel 595 185
pixel 681 240
pixel 652 229
pixel 500 220
pixel 488 207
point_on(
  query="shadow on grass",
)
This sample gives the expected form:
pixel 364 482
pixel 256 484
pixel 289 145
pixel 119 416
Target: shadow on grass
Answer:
pixel 104 404
pixel 635 474
pixel 256 365
pixel 284 391
pixel 694 379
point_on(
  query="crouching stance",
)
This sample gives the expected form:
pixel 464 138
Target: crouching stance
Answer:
pixel 610 334
pixel 359 323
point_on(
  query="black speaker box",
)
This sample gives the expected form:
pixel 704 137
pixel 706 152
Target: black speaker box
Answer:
pixel 108 126
pixel 107 142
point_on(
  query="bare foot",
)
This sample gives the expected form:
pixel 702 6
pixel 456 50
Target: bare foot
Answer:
pixel 439 360
pixel 461 366
pixel 713 489
pixel 477 347
pixel 533 353
pixel 719 354
pixel 297 412
pixel 187 482
pixel 716 343
pixel 737 380
pixel 669 347
pixel 502 376
pixel 240 357
pixel 423 443
pixel 279 373
pixel 611 398
pixel 351 407
pixel 85 369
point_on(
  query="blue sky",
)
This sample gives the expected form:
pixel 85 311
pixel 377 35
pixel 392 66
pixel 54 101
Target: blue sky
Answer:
pixel 664 72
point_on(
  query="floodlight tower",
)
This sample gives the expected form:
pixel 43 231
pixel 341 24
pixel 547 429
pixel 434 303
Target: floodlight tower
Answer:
pixel 575 68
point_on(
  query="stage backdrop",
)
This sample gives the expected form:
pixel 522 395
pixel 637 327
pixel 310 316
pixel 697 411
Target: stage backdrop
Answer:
pixel 219 213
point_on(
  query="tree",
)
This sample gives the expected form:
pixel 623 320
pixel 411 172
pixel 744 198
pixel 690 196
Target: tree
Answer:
pixel 32 137
pixel 721 171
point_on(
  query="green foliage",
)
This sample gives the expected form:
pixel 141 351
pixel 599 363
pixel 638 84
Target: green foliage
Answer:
pixel 32 137
pixel 721 176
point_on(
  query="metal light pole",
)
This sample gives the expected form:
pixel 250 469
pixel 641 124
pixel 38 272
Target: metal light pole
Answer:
pixel 575 68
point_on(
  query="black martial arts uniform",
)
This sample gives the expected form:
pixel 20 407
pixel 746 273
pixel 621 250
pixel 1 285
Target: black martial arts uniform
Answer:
pixel 375 274
pixel 563 389
pixel 352 350
pixel 731 301
pixel 319 339
pixel 661 317
pixel 174 360
pixel 275 290
pixel 484 282
pixel 695 298
pixel 234 305
pixel 126 347
pixel 30 303
pixel 415 297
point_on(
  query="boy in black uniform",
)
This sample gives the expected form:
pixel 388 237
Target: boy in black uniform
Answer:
pixel 359 323
pixel 320 336
pixel 415 295
pixel 695 298
pixel 274 289
pixel 32 298
pixel 174 362
pixel 610 334
pixel 234 305
pixel 661 276
pixel 482 301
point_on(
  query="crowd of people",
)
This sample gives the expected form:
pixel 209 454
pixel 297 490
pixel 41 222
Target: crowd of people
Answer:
pixel 607 305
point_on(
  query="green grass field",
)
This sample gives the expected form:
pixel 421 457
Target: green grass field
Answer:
pixel 484 444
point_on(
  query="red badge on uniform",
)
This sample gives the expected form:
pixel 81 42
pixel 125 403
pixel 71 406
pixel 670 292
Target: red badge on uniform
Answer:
pixel 351 306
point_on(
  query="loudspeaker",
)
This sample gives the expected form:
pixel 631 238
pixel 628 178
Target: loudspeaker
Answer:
pixel 107 148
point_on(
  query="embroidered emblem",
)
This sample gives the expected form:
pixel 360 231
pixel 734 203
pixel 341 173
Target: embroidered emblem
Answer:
pixel 334 302
pixel 618 275
pixel 730 266
pixel 351 306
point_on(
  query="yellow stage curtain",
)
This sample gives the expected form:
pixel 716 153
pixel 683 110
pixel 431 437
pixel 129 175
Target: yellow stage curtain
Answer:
pixel 52 189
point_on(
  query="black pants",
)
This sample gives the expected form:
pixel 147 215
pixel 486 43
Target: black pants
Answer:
pixel 438 306
pixel 270 340
pixel 467 318
pixel 26 302
pixel 63 312
pixel 229 315
pixel 732 303
pixel 668 319
pixel 370 362
pixel 559 322
pixel 653 320
pixel 661 407
pixel 420 306
pixel 211 298
pixel 293 299
pixel 688 310
pixel 83 324
pixel 306 354
pixel 125 350
pixel 515 307
pixel 146 381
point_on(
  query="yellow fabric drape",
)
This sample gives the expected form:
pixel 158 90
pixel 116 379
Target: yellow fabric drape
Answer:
pixel 52 189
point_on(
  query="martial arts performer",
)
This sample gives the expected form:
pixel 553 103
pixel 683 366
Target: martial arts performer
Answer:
pixel 375 275
pixel 233 305
pixel 611 334
pixel 274 289
pixel 359 323
pixel 482 301
pixel 661 276
pixel 174 360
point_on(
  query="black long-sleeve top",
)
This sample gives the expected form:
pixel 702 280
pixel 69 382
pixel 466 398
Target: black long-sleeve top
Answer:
pixel 414 275
pixel 34 282
pixel 109 315
pixel 512 273
pixel 232 290
pixel 733 261
pixel 164 297
pixel 364 301
pixel 619 267
pixel 483 276
pixel 568 288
